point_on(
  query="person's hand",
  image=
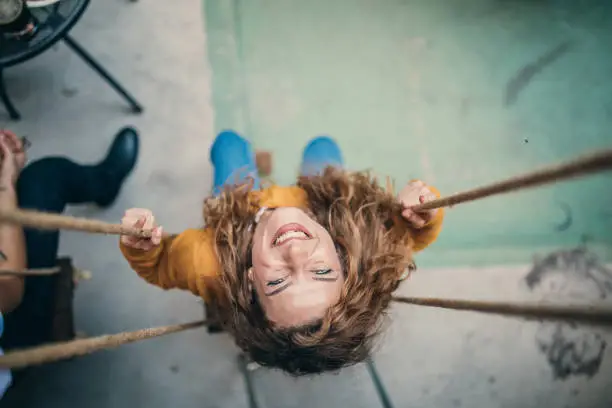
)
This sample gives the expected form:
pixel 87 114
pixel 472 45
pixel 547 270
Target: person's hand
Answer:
pixel 416 192
pixel 141 218
pixel 13 157
pixel 16 144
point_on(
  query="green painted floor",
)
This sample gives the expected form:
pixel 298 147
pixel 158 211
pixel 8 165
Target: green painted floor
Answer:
pixel 458 94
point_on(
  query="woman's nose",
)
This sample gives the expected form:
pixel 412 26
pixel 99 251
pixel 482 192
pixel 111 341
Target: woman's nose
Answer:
pixel 299 251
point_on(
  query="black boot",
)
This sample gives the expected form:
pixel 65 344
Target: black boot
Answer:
pixel 118 164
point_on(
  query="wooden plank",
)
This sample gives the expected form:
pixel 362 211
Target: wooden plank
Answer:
pixel 63 317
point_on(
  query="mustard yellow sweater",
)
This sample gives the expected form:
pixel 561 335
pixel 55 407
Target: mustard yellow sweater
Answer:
pixel 187 261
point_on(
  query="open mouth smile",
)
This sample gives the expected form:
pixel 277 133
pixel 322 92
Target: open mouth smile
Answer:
pixel 288 232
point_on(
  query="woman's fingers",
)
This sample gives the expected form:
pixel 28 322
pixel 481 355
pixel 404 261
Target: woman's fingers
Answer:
pixel 13 141
pixel 413 218
pixel 141 219
pixel 421 218
pixel 156 236
pixel 426 197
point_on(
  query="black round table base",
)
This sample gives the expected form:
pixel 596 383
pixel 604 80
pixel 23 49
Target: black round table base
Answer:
pixel 54 23
pixel 135 107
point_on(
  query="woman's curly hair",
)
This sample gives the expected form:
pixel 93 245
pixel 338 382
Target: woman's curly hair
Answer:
pixel 363 219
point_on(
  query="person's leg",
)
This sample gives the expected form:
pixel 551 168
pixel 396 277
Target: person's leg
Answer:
pixel 319 153
pixel 49 185
pixel 233 161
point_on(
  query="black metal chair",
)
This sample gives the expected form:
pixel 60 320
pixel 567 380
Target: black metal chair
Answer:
pixel 54 22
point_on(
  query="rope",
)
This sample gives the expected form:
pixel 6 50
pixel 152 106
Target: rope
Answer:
pixel 48 221
pixel 65 350
pixel 587 164
pixel 596 162
pixel 39 355
pixel 584 314
pixel 31 272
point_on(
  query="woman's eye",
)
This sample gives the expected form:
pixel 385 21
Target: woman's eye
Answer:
pixel 275 282
pixel 323 272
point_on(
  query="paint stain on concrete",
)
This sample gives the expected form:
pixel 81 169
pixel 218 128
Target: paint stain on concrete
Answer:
pixel 570 349
pixel 70 92
pixel 568 218
pixel 527 73
pixel 161 179
pixel 576 273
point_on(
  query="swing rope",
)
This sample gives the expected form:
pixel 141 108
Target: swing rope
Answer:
pixel 582 166
pixel 65 350
pixel 588 164
pixel 583 314
pixel 74 348
pixel 48 221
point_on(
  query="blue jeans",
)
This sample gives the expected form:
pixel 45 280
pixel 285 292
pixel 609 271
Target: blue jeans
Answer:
pixel 233 159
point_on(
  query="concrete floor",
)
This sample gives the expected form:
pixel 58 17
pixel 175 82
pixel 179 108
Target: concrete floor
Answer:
pixel 459 94
pixel 427 358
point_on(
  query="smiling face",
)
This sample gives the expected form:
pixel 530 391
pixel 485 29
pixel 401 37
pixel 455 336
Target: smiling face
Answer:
pixel 296 270
pixel 285 330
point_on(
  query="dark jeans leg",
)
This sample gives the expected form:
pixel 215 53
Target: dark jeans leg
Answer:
pixel 46 185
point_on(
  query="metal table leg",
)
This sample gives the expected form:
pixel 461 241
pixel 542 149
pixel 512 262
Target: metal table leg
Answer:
pixel 95 65
pixel 244 363
pixel 10 108
pixel 380 388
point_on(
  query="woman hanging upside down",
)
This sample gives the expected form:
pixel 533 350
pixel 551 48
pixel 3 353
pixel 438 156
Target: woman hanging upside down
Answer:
pixel 302 275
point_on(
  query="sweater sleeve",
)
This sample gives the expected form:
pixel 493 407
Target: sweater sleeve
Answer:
pixel 186 261
pixel 426 236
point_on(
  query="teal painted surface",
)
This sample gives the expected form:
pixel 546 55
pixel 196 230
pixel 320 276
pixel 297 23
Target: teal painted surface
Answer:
pixel 416 89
